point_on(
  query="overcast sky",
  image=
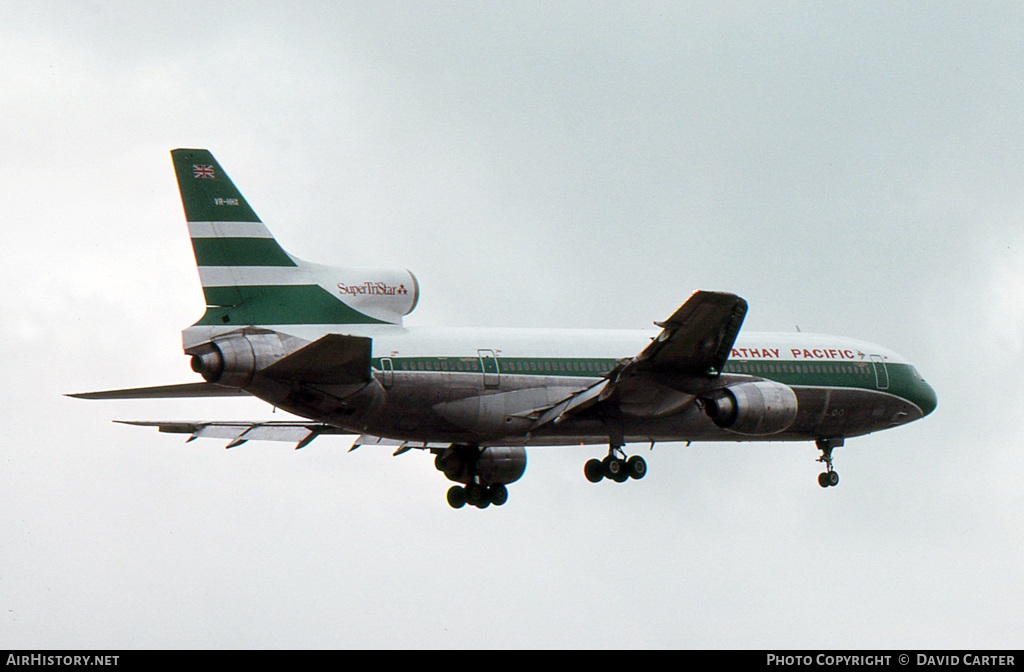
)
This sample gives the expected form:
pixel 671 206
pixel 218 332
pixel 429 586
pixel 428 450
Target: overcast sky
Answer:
pixel 848 168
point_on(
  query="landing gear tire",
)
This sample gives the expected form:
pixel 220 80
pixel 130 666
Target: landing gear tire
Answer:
pixel 475 494
pixel 456 497
pixel 478 495
pixel 615 469
pixel 594 471
pixel 827 479
pixel 497 494
pixel 636 467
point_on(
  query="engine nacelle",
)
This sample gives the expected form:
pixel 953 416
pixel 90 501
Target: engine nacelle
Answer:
pixel 493 465
pixel 758 409
pixel 234 359
pixel 502 464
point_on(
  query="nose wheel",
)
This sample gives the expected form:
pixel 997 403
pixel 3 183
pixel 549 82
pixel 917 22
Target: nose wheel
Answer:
pixel 829 477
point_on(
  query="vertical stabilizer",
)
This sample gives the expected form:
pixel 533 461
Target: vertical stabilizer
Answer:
pixel 249 279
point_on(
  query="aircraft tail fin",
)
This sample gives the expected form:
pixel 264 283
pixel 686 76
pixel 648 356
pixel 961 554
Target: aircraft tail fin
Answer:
pixel 248 279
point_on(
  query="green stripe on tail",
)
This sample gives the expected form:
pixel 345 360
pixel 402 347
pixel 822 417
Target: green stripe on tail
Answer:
pixel 278 304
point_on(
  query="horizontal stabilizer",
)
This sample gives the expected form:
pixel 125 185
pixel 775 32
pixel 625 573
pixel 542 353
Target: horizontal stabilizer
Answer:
pixel 165 392
pixel 333 359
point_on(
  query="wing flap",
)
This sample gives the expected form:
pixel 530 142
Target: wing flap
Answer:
pixel 400 445
pixel 239 432
pixel 574 403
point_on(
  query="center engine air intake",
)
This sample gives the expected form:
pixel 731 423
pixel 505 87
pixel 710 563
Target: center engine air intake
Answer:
pixel 758 409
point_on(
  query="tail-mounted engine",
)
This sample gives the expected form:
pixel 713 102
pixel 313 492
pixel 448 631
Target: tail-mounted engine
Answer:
pixel 759 409
pixel 232 360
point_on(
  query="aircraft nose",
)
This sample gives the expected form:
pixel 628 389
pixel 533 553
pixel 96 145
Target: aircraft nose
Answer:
pixel 927 400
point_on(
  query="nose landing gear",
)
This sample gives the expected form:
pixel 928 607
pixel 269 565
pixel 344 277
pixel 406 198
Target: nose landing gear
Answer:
pixel 829 477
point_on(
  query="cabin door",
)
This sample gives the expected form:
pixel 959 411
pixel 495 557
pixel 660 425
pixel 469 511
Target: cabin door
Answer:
pixel 881 372
pixel 489 365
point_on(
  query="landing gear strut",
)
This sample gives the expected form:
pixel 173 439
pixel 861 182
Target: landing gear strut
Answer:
pixel 829 477
pixel 616 466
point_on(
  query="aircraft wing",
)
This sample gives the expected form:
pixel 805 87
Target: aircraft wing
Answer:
pixel 697 338
pixel 240 432
pixel 694 345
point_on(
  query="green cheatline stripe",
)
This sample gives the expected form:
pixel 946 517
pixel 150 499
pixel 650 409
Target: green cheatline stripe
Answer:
pixel 278 304
pixel 239 252
pixel 902 382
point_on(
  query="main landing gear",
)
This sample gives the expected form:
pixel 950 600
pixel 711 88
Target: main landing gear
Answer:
pixel 482 471
pixel 477 494
pixel 829 477
pixel 616 467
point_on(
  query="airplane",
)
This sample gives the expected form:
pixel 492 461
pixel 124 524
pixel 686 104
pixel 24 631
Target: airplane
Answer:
pixel 327 344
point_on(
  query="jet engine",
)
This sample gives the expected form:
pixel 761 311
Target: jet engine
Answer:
pixel 760 408
pixel 493 465
pixel 234 359
pixel 501 464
